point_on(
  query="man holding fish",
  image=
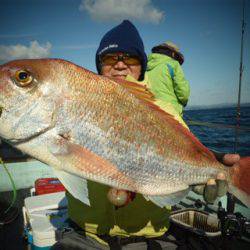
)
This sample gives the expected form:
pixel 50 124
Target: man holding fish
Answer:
pixel 113 133
pixel 121 55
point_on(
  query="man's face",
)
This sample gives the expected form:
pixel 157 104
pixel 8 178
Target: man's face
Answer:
pixel 119 65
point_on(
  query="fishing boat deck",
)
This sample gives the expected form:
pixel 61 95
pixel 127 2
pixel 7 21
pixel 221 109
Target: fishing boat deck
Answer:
pixel 25 173
pixel 12 234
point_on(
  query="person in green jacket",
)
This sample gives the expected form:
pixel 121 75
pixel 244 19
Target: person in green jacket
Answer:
pixel 166 78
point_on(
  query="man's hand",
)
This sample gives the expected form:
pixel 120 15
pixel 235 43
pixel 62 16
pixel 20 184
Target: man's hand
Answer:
pixel 231 160
pixel 217 187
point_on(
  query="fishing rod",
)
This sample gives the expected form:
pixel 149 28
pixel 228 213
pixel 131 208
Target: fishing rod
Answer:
pixel 231 197
pixel 240 79
pixel 214 125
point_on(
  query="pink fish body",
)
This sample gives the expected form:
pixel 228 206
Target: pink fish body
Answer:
pixel 90 127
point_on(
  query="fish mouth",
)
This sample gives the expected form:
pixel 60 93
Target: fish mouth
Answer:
pixel 2 110
pixel 14 136
pixel 29 138
pixel 17 141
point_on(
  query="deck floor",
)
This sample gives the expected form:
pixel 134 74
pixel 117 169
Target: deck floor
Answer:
pixel 11 235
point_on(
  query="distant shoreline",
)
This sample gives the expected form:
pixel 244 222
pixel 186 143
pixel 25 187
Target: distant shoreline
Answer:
pixel 216 106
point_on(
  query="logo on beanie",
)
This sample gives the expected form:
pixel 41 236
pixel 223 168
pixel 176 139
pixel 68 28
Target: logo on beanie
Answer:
pixel 111 46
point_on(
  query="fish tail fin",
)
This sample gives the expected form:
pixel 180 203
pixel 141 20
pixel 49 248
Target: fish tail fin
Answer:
pixel 240 186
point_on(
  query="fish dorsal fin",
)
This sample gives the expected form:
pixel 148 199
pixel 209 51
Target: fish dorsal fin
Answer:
pixel 141 92
pixel 137 89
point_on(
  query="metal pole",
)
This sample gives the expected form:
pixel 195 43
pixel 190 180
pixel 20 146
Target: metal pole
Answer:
pixel 240 78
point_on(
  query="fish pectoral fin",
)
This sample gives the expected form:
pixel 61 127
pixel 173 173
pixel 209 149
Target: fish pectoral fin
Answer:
pixel 75 185
pixel 169 199
pixel 77 159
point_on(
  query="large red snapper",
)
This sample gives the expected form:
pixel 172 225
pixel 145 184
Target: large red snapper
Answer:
pixel 89 126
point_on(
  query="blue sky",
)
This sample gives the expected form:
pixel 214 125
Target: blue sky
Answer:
pixel 208 33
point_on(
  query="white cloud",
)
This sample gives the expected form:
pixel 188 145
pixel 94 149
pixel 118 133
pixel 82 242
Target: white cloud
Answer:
pixel 34 50
pixel 105 10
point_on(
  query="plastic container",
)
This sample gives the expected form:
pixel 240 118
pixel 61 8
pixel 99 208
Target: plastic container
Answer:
pixel 197 222
pixel 43 216
pixel 48 185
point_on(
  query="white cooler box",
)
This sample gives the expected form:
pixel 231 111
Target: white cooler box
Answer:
pixel 43 216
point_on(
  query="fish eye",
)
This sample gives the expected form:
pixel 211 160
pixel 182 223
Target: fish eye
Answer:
pixel 23 78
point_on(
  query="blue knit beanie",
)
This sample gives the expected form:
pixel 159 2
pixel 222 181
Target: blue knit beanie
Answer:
pixel 122 38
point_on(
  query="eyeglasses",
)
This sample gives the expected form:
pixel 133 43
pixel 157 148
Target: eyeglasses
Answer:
pixel 112 59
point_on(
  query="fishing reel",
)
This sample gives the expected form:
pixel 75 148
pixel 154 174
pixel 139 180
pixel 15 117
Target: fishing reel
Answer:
pixel 233 224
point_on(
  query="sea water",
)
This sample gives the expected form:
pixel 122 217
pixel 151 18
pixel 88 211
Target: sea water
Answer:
pixel 222 137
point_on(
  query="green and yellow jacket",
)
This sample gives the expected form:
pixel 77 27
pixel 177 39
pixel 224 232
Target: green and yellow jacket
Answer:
pixel 139 218
pixel 166 81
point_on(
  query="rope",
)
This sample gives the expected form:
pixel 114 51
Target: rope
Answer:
pixel 201 126
pixel 215 125
pixel 13 186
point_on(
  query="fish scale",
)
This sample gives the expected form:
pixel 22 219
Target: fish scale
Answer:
pixel 109 131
